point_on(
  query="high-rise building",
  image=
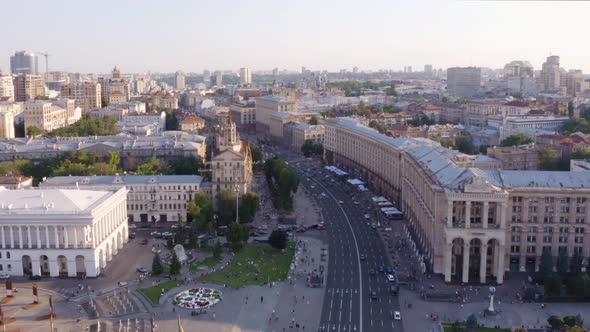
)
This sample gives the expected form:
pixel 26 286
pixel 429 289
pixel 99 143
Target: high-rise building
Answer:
pixel 428 70
pixel 245 76
pixel 207 77
pixel 179 81
pixel 86 94
pixel 572 81
pixel 6 87
pixel 463 82
pixel 519 77
pixel 23 62
pixel 117 89
pixel 550 74
pixel 518 68
pixel 28 87
pixel 217 79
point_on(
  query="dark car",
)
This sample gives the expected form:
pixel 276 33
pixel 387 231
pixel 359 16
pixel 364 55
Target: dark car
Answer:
pixel 381 269
pixel 145 242
pixel 389 269
pixel 362 257
pixel 32 277
pixel 371 272
pixel 132 235
pixel 374 295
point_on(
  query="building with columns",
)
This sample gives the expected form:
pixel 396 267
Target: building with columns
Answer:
pixel 471 221
pixel 61 233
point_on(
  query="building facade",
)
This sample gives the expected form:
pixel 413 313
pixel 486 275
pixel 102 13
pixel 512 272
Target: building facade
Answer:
pixel 28 87
pixel 117 88
pixel 243 113
pixel 179 80
pixel 61 233
pixel 86 94
pixel 6 88
pixel 522 157
pixel 44 115
pixel 463 82
pixel 551 74
pixel 470 224
pixel 150 198
pixel 23 62
pixel 245 76
pixel 267 105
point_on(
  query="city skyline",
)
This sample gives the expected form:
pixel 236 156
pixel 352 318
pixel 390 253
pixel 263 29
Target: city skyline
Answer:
pixel 262 35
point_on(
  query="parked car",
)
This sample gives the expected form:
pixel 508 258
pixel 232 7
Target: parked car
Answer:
pixel 145 242
pixel 381 269
pixel 390 278
pixel 167 234
pixel 142 270
pixel 397 315
pixel 389 269
pixel 132 226
pixel 32 277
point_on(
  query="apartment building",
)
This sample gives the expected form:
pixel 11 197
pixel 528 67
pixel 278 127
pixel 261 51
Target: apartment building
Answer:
pixel 28 87
pixel 86 94
pixel 43 115
pixel 243 113
pixel 470 224
pixel 521 157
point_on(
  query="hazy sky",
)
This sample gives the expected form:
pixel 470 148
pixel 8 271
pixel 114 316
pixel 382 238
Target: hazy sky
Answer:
pixel 192 35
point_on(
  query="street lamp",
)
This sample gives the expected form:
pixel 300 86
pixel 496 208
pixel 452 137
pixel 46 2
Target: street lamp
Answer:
pixel 237 191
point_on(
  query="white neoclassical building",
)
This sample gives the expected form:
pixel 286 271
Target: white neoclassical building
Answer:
pixel 59 232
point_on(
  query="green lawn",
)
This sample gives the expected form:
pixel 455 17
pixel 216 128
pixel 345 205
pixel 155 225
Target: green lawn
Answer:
pixel 448 328
pixel 255 264
pixel 209 262
pixel 153 293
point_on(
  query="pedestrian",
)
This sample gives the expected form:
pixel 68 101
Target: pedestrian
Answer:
pixel 261 299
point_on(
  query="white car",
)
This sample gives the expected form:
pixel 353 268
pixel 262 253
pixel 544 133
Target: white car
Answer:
pixel 341 202
pixel 390 278
pixel 4 276
pixel 397 315
pixel 132 226
pixel 156 250
pixel 167 234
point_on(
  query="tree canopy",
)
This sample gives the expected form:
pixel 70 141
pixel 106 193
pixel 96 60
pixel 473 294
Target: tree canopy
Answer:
pixel 516 139
pixel 88 126
pixel 310 148
pixel 282 182
pixel 201 210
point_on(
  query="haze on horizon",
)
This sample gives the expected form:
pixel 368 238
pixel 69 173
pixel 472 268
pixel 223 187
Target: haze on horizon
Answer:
pixel 92 36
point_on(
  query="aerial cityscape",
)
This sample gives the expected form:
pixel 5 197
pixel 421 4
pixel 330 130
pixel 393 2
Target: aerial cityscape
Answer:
pixel 417 166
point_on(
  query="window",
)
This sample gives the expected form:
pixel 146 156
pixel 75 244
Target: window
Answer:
pixel 8 267
pixel 547 239
pixel 515 238
pixel 8 255
pixel 563 229
pixel 531 249
pixel 548 229
pixel 581 200
pixel 579 230
pixel 514 249
pixel 548 209
pixel 578 250
pixel 579 239
pixel 580 220
pixel 531 238
pixel 548 220
pixel 564 220
pixel 533 229
pixel 563 239
pixel 532 209
pixel 565 209
pixel 581 210
pixel 547 249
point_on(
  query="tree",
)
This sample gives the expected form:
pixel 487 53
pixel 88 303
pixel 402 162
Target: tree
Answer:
pixel 546 264
pixel 201 210
pixel 186 165
pixel 377 126
pixel 88 126
pixel 248 207
pixel 217 249
pixel 329 157
pixel 562 262
pixel 114 161
pixel 390 91
pixel 552 284
pixel 157 267
pixel 153 166
pixel 570 109
pixel 463 144
pixel 516 139
pixel 555 322
pixel 175 264
pixel 33 131
pixel 237 234
pixel 582 153
pixel 575 124
pixel 310 148
pixel 548 159
pixel 483 149
pixel 569 320
pixel 471 322
pixel 255 152
pixel 171 120
pixel 226 207
pixel 579 320
pixel 278 239
pixel 576 263
pixel 313 121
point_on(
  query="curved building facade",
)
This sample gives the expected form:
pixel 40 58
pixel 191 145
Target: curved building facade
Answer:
pixel 471 221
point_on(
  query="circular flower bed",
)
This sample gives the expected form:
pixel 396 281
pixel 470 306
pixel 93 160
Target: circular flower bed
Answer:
pixel 197 298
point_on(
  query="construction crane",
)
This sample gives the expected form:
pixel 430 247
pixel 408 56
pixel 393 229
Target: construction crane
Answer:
pixel 46 55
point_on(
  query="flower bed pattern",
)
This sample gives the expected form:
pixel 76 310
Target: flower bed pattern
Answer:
pixel 197 298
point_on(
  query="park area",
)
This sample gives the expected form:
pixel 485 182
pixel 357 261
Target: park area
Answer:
pixel 153 293
pixel 460 327
pixel 255 264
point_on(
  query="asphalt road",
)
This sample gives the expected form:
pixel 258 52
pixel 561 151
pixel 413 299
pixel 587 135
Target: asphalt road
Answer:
pixel 347 304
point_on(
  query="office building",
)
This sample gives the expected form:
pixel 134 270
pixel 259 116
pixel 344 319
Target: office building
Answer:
pixel 245 76
pixel 86 94
pixel 24 63
pixel 243 113
pixel 59 232
pixel 428 70
pixel 179 80
pixel 150 198
pixel 551 74
pixel 28 87
pixel 463 82
pixel 267 105
pixel 470 223
pixel 217 80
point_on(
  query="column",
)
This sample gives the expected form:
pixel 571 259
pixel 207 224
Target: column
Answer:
pixel 486 207
pixel 450 214
pixel 466 247
pixel 47 246
pixel 501 268
pixel 467 214
pixel 85 234
pixel 53 270
pixel 482 263
pixel 39 237
pixel 75 229
pixel 503 214
pixel 66 242
pixel 29 239
pixel 3 239
pixel 72 270
pixel 20 237
pixel 93 235
pixel 11 237
pixel 448 262
pixel 56 237
pixel 36 266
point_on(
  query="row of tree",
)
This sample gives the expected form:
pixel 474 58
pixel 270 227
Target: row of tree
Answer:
pixel 311 148
pixel 282 182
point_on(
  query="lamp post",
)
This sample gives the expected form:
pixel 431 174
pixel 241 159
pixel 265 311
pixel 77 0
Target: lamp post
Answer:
pixel 237 191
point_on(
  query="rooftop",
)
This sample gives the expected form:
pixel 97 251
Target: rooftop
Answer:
pixel 50 201
pixel 121 179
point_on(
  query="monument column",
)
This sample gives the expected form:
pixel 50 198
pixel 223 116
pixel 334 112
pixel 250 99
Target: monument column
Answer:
pixel 466 247
pixel 482 263
pixel 501 268
pixel 448 262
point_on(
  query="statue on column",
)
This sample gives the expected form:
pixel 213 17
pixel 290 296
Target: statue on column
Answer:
pixel 9 290
pixel 35 295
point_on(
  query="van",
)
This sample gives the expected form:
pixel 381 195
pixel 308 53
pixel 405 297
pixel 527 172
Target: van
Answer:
pixel 393 290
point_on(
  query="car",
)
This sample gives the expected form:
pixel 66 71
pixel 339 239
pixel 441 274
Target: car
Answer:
pixel 389 270
pixel 132 235
pixel 321 227
pixel 397 315
pixel 145 242
pixel 381 269
pixel 122 283
pixel 156 250
pixel 142 270
pixel 32 277
pixel 167 234
pixel 374 295
pixel 393 290
pixel 300 230
pixel 132 226
pixel 362 257
pixel 4 276
pixel 154 233
pixel 341 202
pixel 390 278
pixel 371 272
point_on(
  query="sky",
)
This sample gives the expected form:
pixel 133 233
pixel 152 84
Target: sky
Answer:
pixel 192 35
